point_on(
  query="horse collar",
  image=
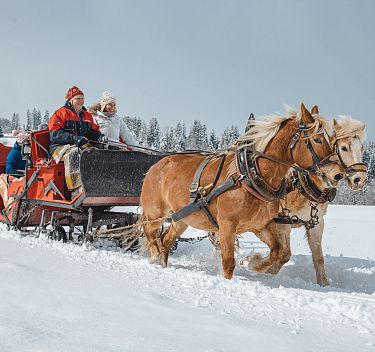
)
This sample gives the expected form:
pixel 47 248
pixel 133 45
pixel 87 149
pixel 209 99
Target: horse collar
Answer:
pixel 251 179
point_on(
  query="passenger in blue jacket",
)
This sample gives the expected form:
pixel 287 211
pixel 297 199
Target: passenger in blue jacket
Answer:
pixel 14 160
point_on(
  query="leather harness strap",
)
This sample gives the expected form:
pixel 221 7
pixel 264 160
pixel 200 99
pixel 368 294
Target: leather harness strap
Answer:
pixel 305 185
pixel 194 187
pixel 203 202
pixel 200 197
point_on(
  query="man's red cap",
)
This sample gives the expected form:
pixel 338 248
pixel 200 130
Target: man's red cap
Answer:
pixel 72 92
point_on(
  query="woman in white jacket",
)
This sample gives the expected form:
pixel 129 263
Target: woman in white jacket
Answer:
pixel 110 124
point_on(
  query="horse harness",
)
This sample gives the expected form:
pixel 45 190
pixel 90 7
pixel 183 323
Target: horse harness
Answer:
pixel 302 182
pixel 251 179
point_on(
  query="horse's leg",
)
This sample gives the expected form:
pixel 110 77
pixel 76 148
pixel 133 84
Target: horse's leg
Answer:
pixel 153 233
pixel 277 238
pixel 314 237
pixel 227 241
pixel 284 253
pixel 166 242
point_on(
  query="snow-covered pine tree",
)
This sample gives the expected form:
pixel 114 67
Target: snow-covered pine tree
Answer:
pixel 142 138
pixel 46 117
pixel 225 137
pixel 167 140
pixel 229 136
pixel 36 119
pixel 153 135
pixel 29 120
pixel 134 124
pixel 213 141
pixel 203 138
pixel 369 159
pixel 129 121
pixel 197 138
pixel 179 137
pixel 5 124
pixel 15 123
pixel 192 139
pixel 137 126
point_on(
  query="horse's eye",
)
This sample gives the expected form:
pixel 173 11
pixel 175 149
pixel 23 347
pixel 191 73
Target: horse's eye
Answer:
pixel 344 149
pixel 318 140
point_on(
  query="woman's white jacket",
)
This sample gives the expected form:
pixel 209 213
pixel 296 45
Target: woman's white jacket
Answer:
pixel 114 128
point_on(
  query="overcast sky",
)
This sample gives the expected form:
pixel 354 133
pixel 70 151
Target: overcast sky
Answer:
pixel 216 61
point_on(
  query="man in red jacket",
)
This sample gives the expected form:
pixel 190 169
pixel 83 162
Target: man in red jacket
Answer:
pixel 72 124
pixel 70 127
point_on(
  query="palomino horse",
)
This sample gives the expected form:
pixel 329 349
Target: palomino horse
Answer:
pixel 283 141
pixel 348 142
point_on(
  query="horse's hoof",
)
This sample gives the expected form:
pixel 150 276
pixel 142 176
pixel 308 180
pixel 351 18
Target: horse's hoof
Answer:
pixel 251 262
pixel 228 276
pixel 163 263
pixel 154 260
pixel 323 283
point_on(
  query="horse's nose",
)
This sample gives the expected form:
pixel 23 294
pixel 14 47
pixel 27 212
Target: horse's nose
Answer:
pixel 339 177
pixel 357 180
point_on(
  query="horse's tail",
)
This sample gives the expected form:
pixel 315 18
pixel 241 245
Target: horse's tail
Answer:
pixel 138 225
pixel 153 230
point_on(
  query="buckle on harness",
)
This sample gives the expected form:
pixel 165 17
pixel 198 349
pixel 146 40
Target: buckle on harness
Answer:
pixel 194 187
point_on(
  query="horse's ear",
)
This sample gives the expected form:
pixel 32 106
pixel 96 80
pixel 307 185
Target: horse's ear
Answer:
pixel 249 122
pixel 306 116
pixel 336 125
pixel 315 110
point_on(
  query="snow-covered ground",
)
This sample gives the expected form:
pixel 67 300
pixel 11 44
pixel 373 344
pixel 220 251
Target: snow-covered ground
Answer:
pixel 7 140
pixel 64 297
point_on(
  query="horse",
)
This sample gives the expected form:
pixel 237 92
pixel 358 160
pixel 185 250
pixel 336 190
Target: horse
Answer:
pixel 348 142
pixel 299 140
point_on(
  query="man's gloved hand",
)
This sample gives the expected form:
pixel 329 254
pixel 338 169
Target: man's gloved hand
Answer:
pixel 82 140
pixel 103 139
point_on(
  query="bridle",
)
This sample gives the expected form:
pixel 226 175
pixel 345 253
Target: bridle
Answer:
pixel 332 158
pixel 315 169
pixel 351 169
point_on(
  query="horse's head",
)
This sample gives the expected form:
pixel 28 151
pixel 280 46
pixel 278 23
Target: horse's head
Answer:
pixel 311 149
pixel 348 142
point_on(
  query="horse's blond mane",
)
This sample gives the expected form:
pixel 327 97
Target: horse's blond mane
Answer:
pixel 264 128
pixel 350 127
